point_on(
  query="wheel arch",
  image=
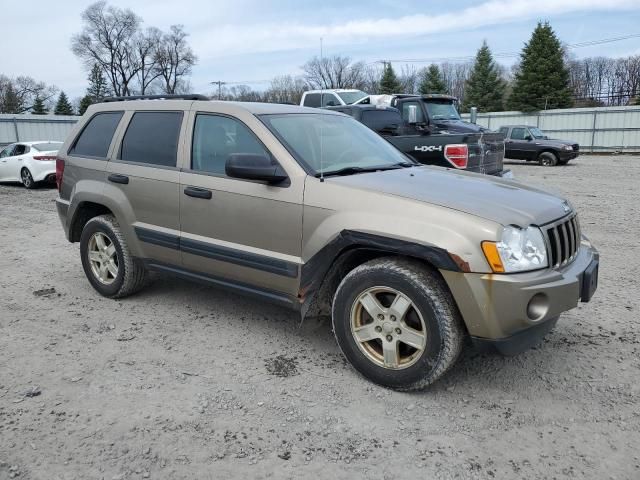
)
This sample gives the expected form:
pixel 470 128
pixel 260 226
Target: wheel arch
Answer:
pixel 85 211
pixel 322 274
pixel 548 150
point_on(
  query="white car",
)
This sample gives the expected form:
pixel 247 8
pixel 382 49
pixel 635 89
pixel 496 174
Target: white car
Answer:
pixel 29 162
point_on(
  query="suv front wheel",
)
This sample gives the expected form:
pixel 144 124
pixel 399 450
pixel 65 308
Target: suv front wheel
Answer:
pixel 396 322
pixel 106 259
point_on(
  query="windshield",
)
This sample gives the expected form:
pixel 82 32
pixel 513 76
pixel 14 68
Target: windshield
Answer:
pixel 536 132
pixel 351 97
pixel 442 111
pixel 333 143
pixel 45 147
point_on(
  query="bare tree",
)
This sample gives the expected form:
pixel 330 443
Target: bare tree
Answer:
pixel 285 89
pixel 107 39
pixel 455 76
pixel 17 95
pixel 333 72
pixel 146 46
pixel 174 59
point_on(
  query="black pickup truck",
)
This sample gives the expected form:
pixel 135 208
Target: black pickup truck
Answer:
pixel 429 129
pixel 523 142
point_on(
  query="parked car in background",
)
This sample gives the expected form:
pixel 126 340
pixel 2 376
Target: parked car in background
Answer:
pixel 429 129
pixel 523 142
pixel 29 162
pixel 408 260
pixel 333 97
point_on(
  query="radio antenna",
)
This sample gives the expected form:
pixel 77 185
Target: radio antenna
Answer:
pixel 321 122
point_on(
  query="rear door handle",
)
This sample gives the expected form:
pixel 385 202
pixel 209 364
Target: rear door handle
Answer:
pixel 115 178
pixel 198 192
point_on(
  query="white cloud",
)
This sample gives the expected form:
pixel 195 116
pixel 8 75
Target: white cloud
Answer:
pixel 236 39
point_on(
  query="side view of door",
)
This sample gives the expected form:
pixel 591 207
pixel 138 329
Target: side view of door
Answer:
pixel 240 231
pixel 143 176
pixel 11 162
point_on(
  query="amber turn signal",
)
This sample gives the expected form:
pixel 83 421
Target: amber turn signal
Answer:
pixel 492 255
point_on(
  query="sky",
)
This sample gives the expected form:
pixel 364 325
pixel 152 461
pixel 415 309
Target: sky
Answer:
pixel 251 41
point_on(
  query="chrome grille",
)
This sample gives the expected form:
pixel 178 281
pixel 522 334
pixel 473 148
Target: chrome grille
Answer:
pixel 563 240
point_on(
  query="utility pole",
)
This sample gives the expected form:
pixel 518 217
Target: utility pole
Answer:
pixel 219 83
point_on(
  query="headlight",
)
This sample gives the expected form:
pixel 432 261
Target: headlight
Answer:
pixel 567 147
pixel 519 250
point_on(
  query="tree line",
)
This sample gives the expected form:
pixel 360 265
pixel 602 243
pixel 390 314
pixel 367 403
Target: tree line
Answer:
pixel 123 59
pixel 544 77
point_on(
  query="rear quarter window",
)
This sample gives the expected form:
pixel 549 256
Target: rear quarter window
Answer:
pixel 96 136
pixel 379 120
pixel 152 137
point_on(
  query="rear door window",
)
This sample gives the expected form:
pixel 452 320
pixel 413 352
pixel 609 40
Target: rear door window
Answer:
pixel 152 137
pixel 95 138
pixel 312 100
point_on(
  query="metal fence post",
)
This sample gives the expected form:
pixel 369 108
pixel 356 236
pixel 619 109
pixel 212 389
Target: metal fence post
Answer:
pixel 15 128
pixel 593 132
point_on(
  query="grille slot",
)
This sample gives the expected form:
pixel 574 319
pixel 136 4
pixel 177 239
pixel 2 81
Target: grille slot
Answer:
pixel 563 240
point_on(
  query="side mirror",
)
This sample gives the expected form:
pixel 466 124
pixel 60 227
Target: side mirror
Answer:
pixel 528 138
pixel 413 115
pixel 251 166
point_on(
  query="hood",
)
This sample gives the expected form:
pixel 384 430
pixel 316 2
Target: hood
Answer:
pixel 507 202
pixel 552 142
pixel 459 126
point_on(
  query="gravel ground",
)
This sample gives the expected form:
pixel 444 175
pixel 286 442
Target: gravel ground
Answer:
pixel 185 381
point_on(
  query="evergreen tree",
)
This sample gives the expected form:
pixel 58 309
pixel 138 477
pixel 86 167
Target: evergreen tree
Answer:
pixel 63 107
pixel 389 82
pixel 484 89
pixel 10 101
pixel 38 107
pixel 542 81
pixel 432 81
pixel 86 101
pixel 98 86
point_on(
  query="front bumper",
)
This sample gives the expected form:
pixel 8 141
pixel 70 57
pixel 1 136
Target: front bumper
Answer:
pixel 565 155
pixel 500 307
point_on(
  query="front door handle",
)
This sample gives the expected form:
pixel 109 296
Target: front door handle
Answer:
pixel 198 192
pixel 115 178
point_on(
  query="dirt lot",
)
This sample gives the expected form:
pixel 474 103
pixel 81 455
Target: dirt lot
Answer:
pixel 185 381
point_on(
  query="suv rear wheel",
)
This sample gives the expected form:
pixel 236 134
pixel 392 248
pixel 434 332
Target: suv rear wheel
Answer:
pixel 106 259
pixel 396 322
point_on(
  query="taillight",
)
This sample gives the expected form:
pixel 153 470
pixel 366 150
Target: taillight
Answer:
pixel 44 157
pixel 59 172
pixel 458 155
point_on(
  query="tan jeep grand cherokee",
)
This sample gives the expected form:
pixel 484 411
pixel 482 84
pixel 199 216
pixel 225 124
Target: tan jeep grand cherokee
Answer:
pixel 312 210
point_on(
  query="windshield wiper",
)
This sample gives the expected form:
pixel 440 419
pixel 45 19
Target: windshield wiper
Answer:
pixel 354 170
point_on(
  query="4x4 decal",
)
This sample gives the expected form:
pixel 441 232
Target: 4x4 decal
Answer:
pixel 428 148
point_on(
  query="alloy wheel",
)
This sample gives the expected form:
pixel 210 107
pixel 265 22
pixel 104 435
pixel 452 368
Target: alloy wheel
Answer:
pixel 103 258
pixel 388 328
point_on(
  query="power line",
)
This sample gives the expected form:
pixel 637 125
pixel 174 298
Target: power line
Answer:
pixel 587 43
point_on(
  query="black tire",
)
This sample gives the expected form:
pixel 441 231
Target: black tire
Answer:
pixel 548 159
pixel 131 272
pixel 27 179
pixel 430 296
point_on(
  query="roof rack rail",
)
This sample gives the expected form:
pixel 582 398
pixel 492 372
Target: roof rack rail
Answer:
pixel 188 96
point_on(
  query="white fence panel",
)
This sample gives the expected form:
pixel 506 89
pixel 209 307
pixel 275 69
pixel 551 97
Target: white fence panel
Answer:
pixel 602 129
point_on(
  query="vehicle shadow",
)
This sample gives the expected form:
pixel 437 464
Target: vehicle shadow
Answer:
pixel 476 370
pixel 571 163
